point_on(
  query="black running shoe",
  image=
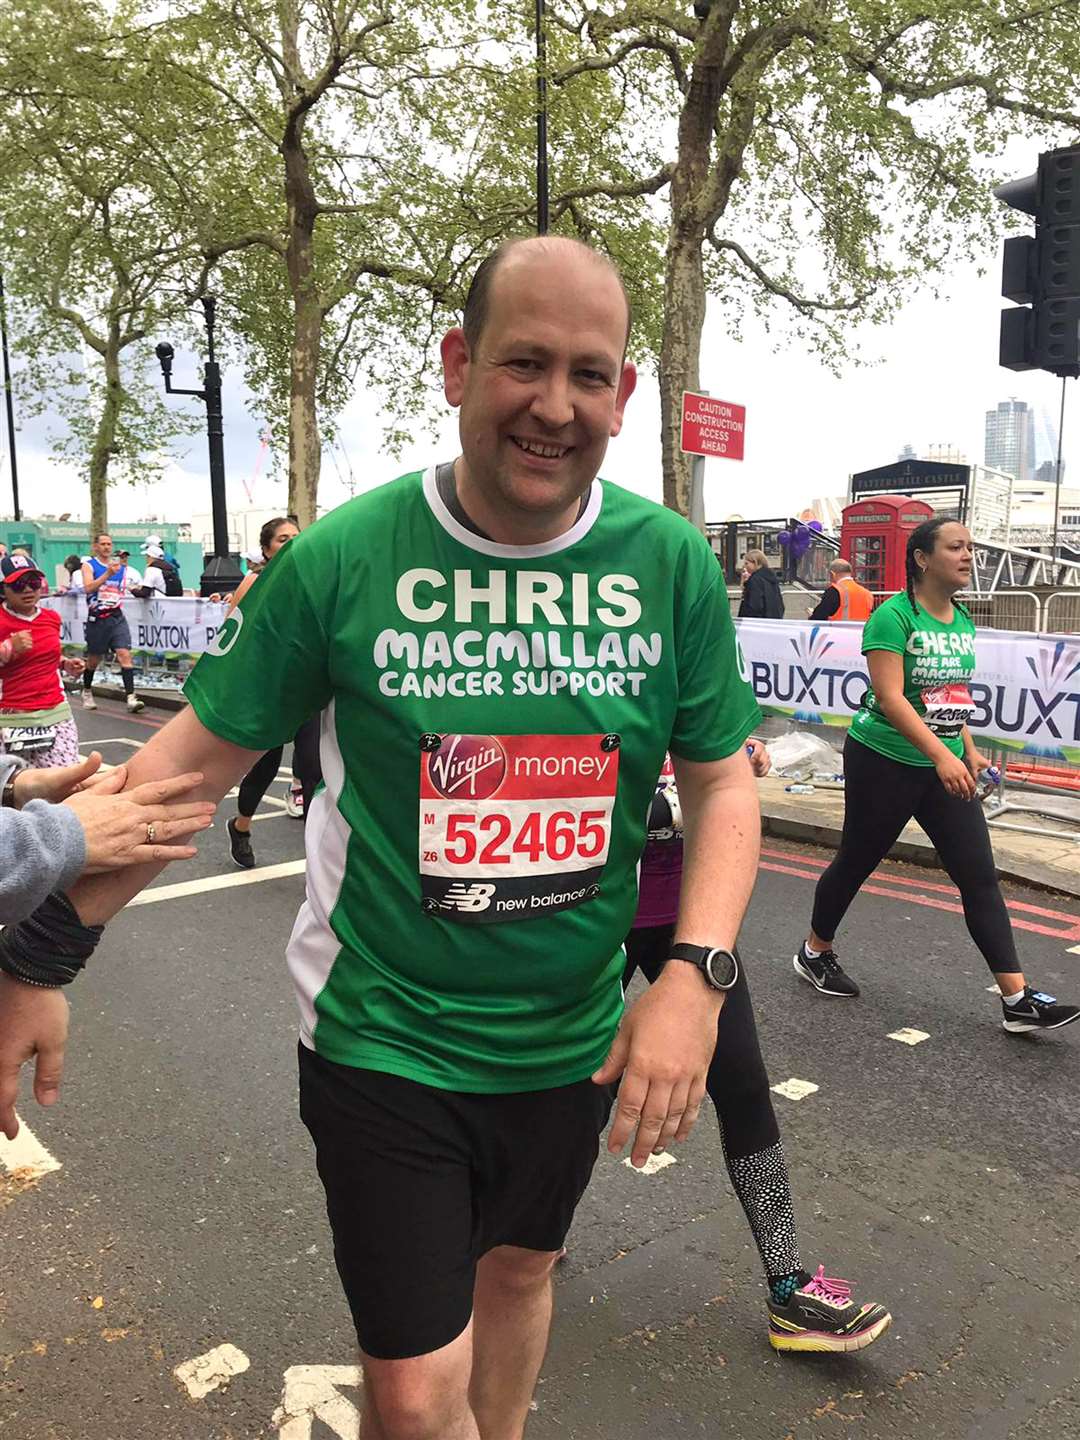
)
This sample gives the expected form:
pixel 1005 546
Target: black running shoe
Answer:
pixel 1037 1011
pixel 824 973
pixel 240 845
pixel 822 1316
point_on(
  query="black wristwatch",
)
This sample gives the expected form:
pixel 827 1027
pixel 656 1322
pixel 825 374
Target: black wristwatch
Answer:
pixel 719 967
pixel 7 791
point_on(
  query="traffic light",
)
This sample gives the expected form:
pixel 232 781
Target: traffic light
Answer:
pixel 1041 272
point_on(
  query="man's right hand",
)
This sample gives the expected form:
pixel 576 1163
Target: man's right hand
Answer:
pixel 21 642
pixel 33 1021
pixel 115 825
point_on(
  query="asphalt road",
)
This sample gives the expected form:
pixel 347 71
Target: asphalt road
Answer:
pixel 186 1216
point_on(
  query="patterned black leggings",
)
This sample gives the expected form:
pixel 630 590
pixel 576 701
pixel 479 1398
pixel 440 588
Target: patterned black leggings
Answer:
pixel 738 1086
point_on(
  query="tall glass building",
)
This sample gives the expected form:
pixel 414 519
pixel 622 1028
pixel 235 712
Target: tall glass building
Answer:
pixel 1010 439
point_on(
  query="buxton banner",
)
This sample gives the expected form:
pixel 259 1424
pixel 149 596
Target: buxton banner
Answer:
pixel 1026 687
pixel 175 625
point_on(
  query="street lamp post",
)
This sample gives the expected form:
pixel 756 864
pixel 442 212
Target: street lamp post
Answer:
pixel 221 573
pixel 541 124
pixel 8 403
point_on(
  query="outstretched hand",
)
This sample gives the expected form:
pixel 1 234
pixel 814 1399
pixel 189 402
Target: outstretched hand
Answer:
pixel 56 784
pixel 33 1022
pixel 663 1051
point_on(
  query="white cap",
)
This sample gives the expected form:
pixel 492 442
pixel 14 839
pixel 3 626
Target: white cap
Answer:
pixel 255 557
pixel 152 551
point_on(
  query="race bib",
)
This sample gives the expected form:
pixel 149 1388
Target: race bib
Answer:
pixel 948 709
pixel 28 739
pixel 514 826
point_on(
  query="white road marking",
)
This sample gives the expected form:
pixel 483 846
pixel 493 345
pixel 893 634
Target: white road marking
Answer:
pixel 218 882
pixel 311 1393
pixel 795 1089
pixel 1073 950
pixel 653 1163
pixel 120 740
pixel 907 1036
pixel 211 1371
pixel 26 1154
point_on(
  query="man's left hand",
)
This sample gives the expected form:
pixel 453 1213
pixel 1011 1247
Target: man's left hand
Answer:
pixel 663 1051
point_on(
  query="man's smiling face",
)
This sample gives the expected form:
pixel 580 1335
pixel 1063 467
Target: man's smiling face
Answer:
pixel 542 391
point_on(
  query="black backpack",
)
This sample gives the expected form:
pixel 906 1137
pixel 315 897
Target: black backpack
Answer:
pixel 172 580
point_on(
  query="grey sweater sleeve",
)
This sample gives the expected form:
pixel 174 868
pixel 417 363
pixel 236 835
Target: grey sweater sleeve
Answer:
pixel 42 848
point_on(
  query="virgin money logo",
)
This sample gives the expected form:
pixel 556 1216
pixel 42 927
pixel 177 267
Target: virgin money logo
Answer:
pixel 467 766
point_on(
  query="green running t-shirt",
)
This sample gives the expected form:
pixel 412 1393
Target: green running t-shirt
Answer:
pixel 493 720
pixel 939 661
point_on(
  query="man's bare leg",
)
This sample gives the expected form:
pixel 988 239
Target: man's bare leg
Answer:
pixel 423 1398
pixel 511 1320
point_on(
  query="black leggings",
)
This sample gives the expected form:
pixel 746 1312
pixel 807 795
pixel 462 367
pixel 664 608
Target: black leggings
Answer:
pixel 257 781
pixel 738 1086
pixel 306 767
pixel 880 797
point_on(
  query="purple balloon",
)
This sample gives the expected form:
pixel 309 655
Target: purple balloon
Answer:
pixel 816 526
pixel 784 537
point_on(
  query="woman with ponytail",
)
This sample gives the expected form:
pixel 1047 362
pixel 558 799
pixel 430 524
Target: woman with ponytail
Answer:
pixel 910 755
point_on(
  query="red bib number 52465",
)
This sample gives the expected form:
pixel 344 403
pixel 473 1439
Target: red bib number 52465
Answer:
pixel 514 826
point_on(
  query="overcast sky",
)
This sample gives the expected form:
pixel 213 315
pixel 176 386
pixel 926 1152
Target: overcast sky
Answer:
pixel 806 429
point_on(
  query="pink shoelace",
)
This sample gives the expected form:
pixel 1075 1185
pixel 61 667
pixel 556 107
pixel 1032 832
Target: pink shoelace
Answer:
pixel 837 1292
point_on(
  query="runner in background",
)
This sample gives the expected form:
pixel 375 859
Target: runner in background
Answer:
pixel 273 535
pixel 909 755
pixel 105 580
pixel 806 1312
pixel 32 699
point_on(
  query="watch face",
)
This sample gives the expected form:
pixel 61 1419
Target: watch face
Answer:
pixel 721 969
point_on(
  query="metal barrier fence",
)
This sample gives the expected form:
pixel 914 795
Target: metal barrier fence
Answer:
pixel 1061 612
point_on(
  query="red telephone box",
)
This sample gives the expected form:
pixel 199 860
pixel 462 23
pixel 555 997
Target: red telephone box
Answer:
pixel 874 535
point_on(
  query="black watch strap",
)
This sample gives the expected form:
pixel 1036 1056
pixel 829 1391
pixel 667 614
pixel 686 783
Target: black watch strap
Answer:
pixel 719 967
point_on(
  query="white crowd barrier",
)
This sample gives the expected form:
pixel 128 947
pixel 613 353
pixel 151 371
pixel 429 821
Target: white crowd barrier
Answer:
pixel 176 625
pixel 1026 687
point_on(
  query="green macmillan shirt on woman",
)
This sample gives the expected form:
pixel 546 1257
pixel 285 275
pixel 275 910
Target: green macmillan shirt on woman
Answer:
pixel 494 719
pixel 939 661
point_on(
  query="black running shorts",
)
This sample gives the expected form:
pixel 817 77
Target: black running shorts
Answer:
pixel 107 632
pixel 420 1183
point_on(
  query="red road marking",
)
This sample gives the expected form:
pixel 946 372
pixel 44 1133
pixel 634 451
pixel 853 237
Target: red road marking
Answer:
pixel 1070 922
pixel 902 880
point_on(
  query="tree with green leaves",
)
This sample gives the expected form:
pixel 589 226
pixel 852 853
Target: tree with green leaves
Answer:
pixel 818 159
pixel 89 266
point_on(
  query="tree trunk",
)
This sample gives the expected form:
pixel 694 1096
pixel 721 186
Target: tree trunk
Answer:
pixel 104 447
pixel 301 214
pixel 680 350
pixel 684 275
pixel 304 445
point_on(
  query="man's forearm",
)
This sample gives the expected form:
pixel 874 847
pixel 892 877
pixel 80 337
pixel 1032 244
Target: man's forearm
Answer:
pixel 182 746
pixel 722 829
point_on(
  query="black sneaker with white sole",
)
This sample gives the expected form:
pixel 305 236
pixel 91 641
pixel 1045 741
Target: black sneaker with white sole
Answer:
pixel 824 973
pixel 1037 1011
pixel 240 846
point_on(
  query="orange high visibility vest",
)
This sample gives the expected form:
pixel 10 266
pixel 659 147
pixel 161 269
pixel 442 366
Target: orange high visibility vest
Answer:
pixel 856 602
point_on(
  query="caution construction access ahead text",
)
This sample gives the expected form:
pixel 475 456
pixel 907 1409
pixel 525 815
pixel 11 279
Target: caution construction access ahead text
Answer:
pixel 712 427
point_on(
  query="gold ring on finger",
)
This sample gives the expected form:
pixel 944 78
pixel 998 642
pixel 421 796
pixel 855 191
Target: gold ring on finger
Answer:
pixel 150 833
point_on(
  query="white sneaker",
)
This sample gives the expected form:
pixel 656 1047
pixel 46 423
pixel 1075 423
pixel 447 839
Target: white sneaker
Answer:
pixel 88 701
pixel 134 704
pixel 294 802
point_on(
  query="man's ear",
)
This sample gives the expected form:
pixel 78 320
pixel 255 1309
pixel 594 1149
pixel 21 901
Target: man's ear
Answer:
pixel 627 385
pixel 455 362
